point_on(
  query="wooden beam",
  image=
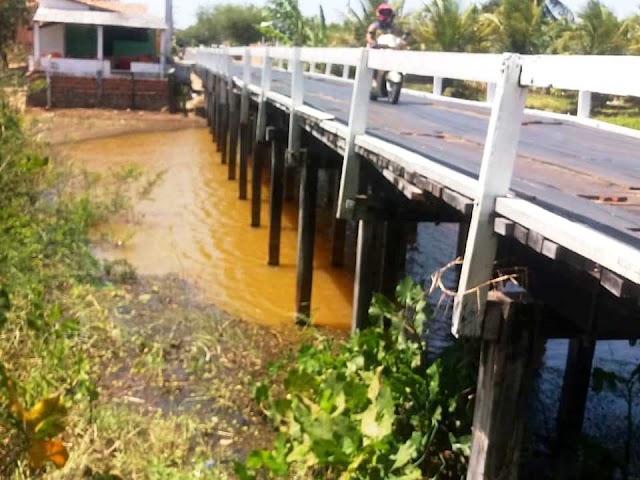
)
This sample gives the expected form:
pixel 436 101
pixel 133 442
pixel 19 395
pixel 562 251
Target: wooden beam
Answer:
pixel 245 140
pixel 394 256
pixel 506 362
pixel 364 282
pixel 306 240
pixel 256 182
pixel 276 138
pixel 503 227
pixel 234 125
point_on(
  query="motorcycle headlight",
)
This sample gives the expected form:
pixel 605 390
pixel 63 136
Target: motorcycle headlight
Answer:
pixel 395 77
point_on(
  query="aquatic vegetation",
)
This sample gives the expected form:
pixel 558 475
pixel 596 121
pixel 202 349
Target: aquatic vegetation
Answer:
pixel 373 407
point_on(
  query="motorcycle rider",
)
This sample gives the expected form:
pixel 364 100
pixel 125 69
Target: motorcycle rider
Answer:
pixel 384 24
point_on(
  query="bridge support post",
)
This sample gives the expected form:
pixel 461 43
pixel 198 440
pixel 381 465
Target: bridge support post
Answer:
pixel 495 180
pixel 395 256
pixel 306 238
pixel 218 115
pixel 507 357
pixel 234 125
pixel 575 388
pixel 368 265
pixel 257 165
pixel 245 146
pixel 274 136
pixel 289 184
pixel 224 121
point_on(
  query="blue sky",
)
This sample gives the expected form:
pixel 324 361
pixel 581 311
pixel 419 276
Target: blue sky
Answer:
pixel 185 10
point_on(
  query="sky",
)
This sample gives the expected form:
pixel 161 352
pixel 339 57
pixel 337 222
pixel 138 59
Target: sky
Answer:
pixel 185 10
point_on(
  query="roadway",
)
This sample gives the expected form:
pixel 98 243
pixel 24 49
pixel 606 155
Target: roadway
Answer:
pixel 558 161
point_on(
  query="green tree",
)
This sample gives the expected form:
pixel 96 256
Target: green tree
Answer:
pixel 516 26
pixel 632 31
pixel 226 23
pixel 286 24
pixel 13 13
pixel 443 25
pixel 599 32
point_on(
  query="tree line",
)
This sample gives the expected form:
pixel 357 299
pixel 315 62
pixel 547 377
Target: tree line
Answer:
pixel 521 26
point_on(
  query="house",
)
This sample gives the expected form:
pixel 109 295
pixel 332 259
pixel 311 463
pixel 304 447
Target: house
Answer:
pixel 89 36
pixel 104 42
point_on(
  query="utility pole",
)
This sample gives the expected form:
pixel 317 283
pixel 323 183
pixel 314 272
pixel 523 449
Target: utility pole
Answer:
pixel 168 15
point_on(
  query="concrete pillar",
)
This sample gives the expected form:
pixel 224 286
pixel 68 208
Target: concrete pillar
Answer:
pixel 437 85
pixel 100 52
pixel 163 52
pixel 36 44
pixel 584 104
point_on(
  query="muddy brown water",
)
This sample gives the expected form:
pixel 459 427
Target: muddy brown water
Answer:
pixel 194 225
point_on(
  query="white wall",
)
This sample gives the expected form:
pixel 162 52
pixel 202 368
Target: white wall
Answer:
pixel 52 40
pixel 63 4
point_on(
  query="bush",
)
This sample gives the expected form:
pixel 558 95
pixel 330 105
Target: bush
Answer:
pixel 372 408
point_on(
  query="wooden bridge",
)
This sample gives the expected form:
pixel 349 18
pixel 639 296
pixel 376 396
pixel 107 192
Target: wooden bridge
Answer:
pixel 557 196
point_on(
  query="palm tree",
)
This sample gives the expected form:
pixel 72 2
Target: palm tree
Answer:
pixel 598 33
pixel 442 25
pixel 631 28
pixel 516 26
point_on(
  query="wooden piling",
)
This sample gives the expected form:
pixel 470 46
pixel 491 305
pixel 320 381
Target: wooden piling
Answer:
pixel 290 184
pixel 217 120
pixel 395 256
pixel 509 345
pixel 575 389
pixel 224 126
pixel 257 163
pixel 234 124
pixel 306 238
pixel 338 239
pixel 245 139
pixel 367 271
pixel 276 137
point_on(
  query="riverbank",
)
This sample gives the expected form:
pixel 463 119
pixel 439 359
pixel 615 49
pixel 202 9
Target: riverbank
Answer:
pixel 156 382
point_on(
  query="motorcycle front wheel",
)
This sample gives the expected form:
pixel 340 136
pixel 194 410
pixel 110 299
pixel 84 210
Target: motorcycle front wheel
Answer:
pixel 394 91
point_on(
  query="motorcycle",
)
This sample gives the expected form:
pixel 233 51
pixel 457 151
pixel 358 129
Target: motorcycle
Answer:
pixel 394 80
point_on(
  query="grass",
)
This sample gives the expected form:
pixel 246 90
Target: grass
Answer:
pixel 552 102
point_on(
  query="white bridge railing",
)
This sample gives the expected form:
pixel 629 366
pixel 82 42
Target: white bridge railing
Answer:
pixel 512 75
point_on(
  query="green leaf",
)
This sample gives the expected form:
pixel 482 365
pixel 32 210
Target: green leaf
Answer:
pixel 407 451
pixel 5 306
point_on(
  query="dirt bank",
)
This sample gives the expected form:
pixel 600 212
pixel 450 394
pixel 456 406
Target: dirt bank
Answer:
pixel 77 124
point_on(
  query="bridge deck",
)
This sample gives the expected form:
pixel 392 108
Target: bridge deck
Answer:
pixel 558 161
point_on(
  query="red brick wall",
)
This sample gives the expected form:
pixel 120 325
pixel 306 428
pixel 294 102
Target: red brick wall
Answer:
pixel 116 93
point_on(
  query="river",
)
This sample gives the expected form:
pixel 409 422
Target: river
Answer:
pixel 194 225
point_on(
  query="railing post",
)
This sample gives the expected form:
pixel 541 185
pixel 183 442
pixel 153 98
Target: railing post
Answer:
pixel 491 92
pixel 345 71
pixel 267 67
pixel 245 128
pixel 584 104
pixel 297 100
pixel 357 126
pixel 327 69
pixel 246 80
pixel 437 85
pixel 495 179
